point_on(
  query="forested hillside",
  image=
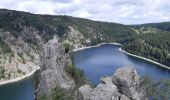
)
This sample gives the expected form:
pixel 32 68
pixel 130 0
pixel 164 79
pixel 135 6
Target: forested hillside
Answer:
pixel 22 35
pixel 47 25
pixel 151 42
pixel 148 40
pixel 162 26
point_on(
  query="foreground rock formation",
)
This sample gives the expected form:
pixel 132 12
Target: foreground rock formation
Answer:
pixel 53 61
pixel 123 85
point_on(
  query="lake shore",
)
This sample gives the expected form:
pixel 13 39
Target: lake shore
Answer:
pixel 120 49
pixel 28 75
pixel 21 78
pixel 146 59
pixel 82 48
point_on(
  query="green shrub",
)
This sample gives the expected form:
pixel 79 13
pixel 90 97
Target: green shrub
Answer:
pixel 4 48
pixel 156 90
pixel 19 70
pixel 60 94
pixel 67 47
pixel 76 74
pixel 2 72
pixel 57 93
pixel 44 97
pixel 22 58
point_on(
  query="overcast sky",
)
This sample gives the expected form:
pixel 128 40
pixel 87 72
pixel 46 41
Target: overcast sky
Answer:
pixel 120 11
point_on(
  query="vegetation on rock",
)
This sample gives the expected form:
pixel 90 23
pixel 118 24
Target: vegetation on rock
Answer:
pixel 2 72
pixel 67 47
pixel 76 74
pixel 58 93
pixel 157 90
pixel 149 40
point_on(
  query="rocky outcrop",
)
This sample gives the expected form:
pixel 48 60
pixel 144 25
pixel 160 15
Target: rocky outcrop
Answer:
pixel 53 61
pixel 128 81
pixel 124 85
pixel 17 56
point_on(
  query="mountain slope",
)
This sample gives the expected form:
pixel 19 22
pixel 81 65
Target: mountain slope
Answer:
pixel 152 41
pixel 22 35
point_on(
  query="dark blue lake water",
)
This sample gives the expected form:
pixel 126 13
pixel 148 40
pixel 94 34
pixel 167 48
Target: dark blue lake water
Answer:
pixel 104 60
pixel 95 62
pixel 18 91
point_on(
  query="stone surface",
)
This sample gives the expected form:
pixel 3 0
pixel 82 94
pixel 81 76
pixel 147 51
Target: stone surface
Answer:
pixel 105 92
pixel 53 61
pixel 124 85
pixel 85 90
pixel 123 97
pixel 128 81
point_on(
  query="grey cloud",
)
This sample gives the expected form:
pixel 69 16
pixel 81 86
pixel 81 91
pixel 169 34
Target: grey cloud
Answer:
pixel 128 2
pixel 120 11
pixel 61 1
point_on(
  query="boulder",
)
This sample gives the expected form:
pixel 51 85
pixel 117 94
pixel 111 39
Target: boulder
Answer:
pixel 85 91
pixel 104 91
pixel 123 97
pixel 128 82
pixel 124 85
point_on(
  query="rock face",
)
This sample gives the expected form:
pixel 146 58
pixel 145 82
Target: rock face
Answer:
pixel 53 62
pixel 128 81
pixel 124 85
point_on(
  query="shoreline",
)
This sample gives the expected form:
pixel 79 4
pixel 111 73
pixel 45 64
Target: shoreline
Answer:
pixel 120 49
pixel 28 75
pixel 82 48
pixel 21 78
pixel 146 59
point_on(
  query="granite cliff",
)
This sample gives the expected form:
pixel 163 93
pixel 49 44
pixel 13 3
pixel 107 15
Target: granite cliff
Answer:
pixel 23 36
pixel 123 85
pixel 53 62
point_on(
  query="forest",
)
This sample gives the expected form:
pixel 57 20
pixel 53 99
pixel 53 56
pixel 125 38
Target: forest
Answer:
pixel 148 40
pixel 152 45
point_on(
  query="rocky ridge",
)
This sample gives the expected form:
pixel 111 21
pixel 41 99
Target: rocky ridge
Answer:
pixel 123 85
pixel 24 34
pixel 53 61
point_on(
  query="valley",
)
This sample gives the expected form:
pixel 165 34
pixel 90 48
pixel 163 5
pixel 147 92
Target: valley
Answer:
pixel 29 42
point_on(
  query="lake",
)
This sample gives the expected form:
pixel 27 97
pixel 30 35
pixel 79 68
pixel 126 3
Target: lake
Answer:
pixel 23 90
pixel 95 62
pixel 105 59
